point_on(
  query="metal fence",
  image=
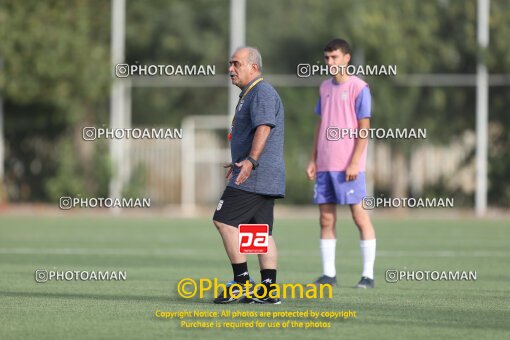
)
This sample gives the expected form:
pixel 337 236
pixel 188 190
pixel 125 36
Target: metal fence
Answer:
pixel 200 177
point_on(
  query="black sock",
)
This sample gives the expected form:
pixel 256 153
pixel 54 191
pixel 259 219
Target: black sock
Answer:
pixel 268 277
pixel 241 272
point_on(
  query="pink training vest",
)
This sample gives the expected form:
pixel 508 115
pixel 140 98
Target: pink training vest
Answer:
pixel 338 112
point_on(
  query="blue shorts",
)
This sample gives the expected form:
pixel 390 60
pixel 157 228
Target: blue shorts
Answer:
pixel 331 187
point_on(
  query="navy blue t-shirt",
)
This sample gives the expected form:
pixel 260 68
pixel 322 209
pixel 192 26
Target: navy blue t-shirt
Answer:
pixel 261 106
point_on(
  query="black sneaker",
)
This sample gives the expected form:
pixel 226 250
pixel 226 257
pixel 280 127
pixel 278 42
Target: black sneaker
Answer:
pixel 325 280
pixel 247 300
pixel 267 299
pixel 235 297
pixel 365 282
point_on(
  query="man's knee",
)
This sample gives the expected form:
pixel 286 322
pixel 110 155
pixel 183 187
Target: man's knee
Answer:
pixel 327 220
pixel 361 218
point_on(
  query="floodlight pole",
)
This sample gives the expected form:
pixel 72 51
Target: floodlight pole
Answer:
pixel 237 39
pixel 482 108
pixel 120 116
pixel 2 143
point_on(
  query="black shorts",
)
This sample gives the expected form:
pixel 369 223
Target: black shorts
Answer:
pixel 242 207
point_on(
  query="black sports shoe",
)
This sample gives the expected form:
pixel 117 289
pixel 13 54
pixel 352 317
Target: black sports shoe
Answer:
pixel 236 296
pixel 325 280
pixel 365 282
pixel 267 299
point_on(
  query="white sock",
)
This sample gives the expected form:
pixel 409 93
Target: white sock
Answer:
pixel 328 256
pixel 367 248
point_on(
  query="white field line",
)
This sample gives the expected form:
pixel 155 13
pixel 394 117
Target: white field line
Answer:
pixel 184 252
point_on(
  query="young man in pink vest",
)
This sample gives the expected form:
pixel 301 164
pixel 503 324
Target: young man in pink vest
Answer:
pixel 338 160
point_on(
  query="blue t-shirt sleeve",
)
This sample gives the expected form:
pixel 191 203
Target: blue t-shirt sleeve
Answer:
pixel 263 108
pixel 363 104
pixel 318 107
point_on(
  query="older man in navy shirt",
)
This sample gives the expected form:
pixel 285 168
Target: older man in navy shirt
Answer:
pixel 256 174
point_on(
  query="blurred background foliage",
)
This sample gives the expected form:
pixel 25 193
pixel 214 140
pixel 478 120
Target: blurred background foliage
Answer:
pixel 56 75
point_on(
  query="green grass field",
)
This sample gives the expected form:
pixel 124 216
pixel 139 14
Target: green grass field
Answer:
pixel 158 252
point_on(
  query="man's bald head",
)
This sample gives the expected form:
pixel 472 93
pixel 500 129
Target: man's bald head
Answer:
pixel 252 56
pixel 244 65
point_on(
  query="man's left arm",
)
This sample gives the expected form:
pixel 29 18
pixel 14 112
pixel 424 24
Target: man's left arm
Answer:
pixel 258 145
pixel 363 108
pixel 351 173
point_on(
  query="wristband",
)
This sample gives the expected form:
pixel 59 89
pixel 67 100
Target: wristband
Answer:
pixel 253 162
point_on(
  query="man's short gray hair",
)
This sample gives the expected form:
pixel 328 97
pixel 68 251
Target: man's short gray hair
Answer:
pixel 254 56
